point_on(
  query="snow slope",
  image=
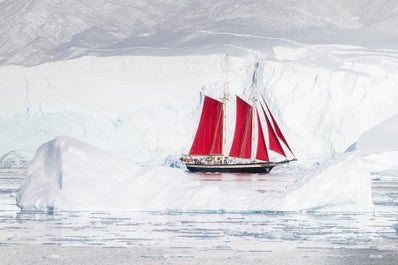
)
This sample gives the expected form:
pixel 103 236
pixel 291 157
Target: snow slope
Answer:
pixel 381 138
pixel 38 31
pixel 379 149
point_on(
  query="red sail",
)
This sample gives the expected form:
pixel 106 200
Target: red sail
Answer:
pixel 262 153
pixel 277 130
pixel 274 143
pixel 208 138
pixel 241 145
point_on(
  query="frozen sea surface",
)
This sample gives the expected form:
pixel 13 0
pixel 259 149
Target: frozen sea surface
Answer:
pixel 173 237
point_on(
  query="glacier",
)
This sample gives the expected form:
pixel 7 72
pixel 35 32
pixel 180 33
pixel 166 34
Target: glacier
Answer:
pixel 102 100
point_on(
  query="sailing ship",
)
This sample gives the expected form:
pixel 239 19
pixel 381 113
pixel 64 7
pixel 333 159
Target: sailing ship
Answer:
pixel 249 152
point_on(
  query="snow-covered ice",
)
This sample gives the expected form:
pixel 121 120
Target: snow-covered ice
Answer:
pixel 381 138
pixel 67 174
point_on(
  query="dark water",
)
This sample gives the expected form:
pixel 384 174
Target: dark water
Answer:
pixel 200 238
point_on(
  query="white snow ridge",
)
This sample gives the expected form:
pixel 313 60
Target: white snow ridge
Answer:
pixel 127 78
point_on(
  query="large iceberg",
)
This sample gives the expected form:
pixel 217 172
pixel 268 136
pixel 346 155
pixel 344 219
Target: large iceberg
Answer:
pixel 68 174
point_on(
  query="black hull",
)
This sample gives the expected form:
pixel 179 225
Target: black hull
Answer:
pixel 263 168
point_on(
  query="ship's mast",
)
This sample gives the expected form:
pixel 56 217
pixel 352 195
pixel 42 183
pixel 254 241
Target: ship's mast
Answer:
pixel 224 105
pixel 254 102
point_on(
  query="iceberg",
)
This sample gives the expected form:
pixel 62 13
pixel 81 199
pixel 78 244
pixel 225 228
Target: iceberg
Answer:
pixel 341 184
pixel 68 174
pixel 381 138
pixel 379 148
